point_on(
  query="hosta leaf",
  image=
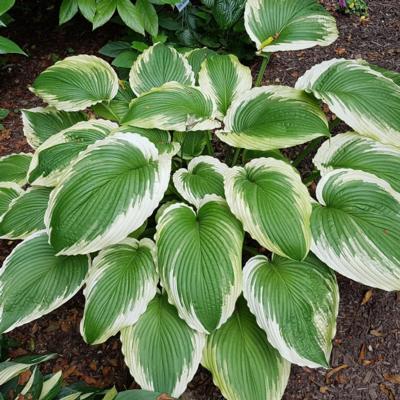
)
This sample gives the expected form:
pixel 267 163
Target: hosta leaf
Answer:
pixel 14 168
pixel 109 191
pixel 11 369
pixel 289 24
pixel 359 95
pixel 41 123
pixel 121 283
pixel 87 8
pixel 68 10
pixel 296 303
pixel 243 364
pixel 8 192
pixel 7 46
pixel 34 281
pixel 161 351
pixel 204 175
pixel 205 281
pixel 105 9
pixel 25 214
pixel 224 79
pixel 357 227
pixel 142 395
pixel 77 82
pixel 33 387
pixel 172 106
pixel 5 5
pixel 157 65
pixel 192 143
pixel 273 117
pixel 228 12
pixel 51 386
pixel 56 153
pixel 350 150
pixel 272 203
pixel 131 15
pixel 149 16
pixel 197 56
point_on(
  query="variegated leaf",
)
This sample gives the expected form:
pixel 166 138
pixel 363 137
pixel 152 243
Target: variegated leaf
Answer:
pixel 8 192
pixel 14 168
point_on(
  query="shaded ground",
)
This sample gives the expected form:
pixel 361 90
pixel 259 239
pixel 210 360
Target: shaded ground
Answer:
pixel 367 346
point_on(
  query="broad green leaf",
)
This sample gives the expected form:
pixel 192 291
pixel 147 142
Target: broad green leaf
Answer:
pixel 192 143
pixel 116 108
pixel 356 228
pixel 14 168
pixel 41 123
pixel 8 192
pixel 25 214
pixel 125 59
pixel 109 191
pixel 77 82
pixel 56 153
pixel 161 139
pixel 205 281
pixel 112 49
pixel 393 75
pixel 35 282
pixel 105 9
pixel 272 203
pixel 11 369
pixel 172 106
pixel 243 363
pixel 197 56
pixel 120 285
pixel 296 303
pixel 161 351
pixel 224 79
pixel 51 386
pixel 33 387
pixel 350 150
pixel 6 5
pixel 87 8
pixel 157 65
pixel 149 16
pixel 68 10
pixel 142 395
pixel 273 117
pixel 204 175
pixel 359 95
pixel 289 24
pixel 228 12
pixel 7 46
pixel 131 15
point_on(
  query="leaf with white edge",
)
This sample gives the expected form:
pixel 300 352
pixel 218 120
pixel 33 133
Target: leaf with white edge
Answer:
pixel 34 282
pixel 85 214
pixel 120 285
pixel 224 79
pixel 200 261
pixel 161 139
pixel 296 303
pixel 25 214
pixel 356 228
pixel 77 82
pixel 161 351
pixel 269 198
pixel 33 387
pixel 197 56
pixel 9 191
pixel 289 24
pixel 14 168
pixel 56 153
pixel 273 117
pixel 51 386
pixel 243 363
pixel 362 97
pixel 157 65
pixel 42 123
pixel 11 369
pixel 172 106
pixel 142 395
pixel 350 150
pixel 204 175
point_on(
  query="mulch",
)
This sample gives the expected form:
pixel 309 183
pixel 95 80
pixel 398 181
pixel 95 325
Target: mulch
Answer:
pixel 366 355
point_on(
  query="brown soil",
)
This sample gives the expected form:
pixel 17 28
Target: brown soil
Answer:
pixel 366 354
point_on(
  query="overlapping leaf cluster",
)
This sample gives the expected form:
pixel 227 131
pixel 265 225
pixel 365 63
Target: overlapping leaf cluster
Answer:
pixel 101 191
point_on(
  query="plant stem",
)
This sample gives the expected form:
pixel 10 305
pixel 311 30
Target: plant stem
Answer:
pixel 306 151
pixel 261 72
pixel 235 157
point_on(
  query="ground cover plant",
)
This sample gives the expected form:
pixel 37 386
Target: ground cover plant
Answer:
pixel 265 195
pixel 7 46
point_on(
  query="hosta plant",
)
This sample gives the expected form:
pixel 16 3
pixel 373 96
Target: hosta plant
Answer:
pixel 7 46
pixel 135 207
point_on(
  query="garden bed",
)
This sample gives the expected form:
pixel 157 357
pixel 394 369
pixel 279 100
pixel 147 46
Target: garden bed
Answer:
pixel 366 352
